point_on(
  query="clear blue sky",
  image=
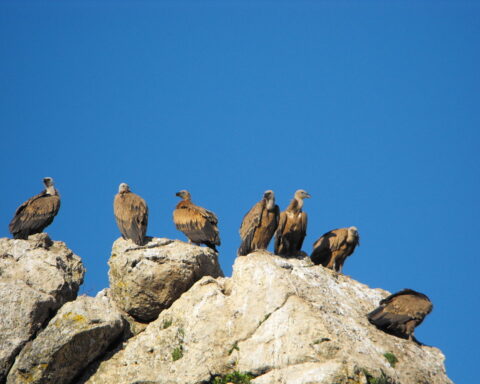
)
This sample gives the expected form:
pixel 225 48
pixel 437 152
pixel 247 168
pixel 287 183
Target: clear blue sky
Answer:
pixel 372 107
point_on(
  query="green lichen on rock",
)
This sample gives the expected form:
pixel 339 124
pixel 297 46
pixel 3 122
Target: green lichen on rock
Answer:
pixel 234 377
pixel 177 353
pixel 391 358
pixel 382 379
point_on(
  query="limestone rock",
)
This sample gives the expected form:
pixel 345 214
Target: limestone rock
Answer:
pixel 80 331
pixel 144 280
pixel 283 320
pixel 37 276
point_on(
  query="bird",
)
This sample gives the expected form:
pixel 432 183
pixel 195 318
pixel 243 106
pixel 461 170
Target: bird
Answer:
pixel 259 224
pixel 131 214
pixel 332 249
pixel 37 213
pixel 400 313
pixel 197 223
pixel 292 227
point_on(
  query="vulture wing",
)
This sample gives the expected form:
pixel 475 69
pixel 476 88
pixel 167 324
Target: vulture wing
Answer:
pixel 279 233
pixel 34 215
pixel 324 246
pixel 131 214
pixel 303 230
pixel 197 223
pixel 398 309
pixel 250 223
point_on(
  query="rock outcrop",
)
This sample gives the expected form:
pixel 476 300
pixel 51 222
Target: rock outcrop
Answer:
pixel 144 280
pixel 80 332
pixel 37 276
pixel 279 320
pixel 282 320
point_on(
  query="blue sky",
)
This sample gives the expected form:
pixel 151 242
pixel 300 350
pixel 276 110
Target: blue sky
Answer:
pixel 372 107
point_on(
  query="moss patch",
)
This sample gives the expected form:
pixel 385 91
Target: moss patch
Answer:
pixel 391 358
pixel 234 377
pixel 382 379
pixel 177 353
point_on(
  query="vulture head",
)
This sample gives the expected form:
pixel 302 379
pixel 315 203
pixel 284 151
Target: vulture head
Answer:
pixel 48 182
pixel 353 235
pixel 269 197
pixel 123 188
pixel 184 194
pixel 301 194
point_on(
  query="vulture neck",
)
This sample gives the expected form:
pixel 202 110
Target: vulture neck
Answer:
pixel 351 238
pixel 51 190
pixel 270 204
pixel 295 205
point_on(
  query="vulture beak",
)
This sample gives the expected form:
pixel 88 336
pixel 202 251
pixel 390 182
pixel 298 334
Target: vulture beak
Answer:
pixel 307 195
pixel 179 194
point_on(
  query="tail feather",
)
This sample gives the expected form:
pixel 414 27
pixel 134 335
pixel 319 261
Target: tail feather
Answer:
pixel 245 247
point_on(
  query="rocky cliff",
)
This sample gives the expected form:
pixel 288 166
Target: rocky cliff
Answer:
pixel 171 317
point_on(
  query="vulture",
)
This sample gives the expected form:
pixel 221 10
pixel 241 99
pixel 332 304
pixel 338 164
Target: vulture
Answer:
pixel 334 247
pixel 131 214
pixel 259 225
pixel 197 223
pixel 401 312
pixel 292 227
pixel 37 213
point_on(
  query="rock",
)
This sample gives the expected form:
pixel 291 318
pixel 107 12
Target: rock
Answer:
pixel 283 320
pixel 23 311
pixel 37 276
pixel 144 280
pixel 80 332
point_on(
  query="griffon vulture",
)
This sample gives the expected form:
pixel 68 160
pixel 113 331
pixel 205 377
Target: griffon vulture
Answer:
pixel 131 214
pixel 334 247
pixel 197 223
pixel 37 213
pixel 401 312
pixel 292 227
pixel 259 225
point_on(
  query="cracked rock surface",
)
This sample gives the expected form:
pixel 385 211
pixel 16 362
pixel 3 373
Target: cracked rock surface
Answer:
pixel 37 276
pixel 144 280
pixel 283 320
pixel 80 332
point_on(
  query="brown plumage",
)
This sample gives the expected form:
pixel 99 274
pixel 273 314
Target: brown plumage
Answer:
pixel 131 214
pixel 401 312
pixel 334 247
pixel 37 213
pixel 259 225
pixel 197 223
pixel 292 227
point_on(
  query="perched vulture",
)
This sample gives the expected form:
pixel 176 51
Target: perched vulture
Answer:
pixel 197 223
pixel 37 213
pixel 334 247
pixel 292 227
pixel 131 214
pixel 401 312
pixel 259 225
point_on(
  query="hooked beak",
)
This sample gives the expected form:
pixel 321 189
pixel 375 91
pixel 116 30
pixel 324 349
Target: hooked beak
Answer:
pixel 178 194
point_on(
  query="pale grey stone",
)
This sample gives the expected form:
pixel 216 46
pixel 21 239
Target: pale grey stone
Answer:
pixel 80 332
pixel 284 320
pixel 144 280
pixel 37 276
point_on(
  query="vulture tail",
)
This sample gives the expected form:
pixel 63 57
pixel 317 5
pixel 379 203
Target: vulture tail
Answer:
pixel 211 245
pixel 245 246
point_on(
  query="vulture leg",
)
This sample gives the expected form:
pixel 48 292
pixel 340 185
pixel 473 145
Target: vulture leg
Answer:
pixel 409 328
pixel 331 263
